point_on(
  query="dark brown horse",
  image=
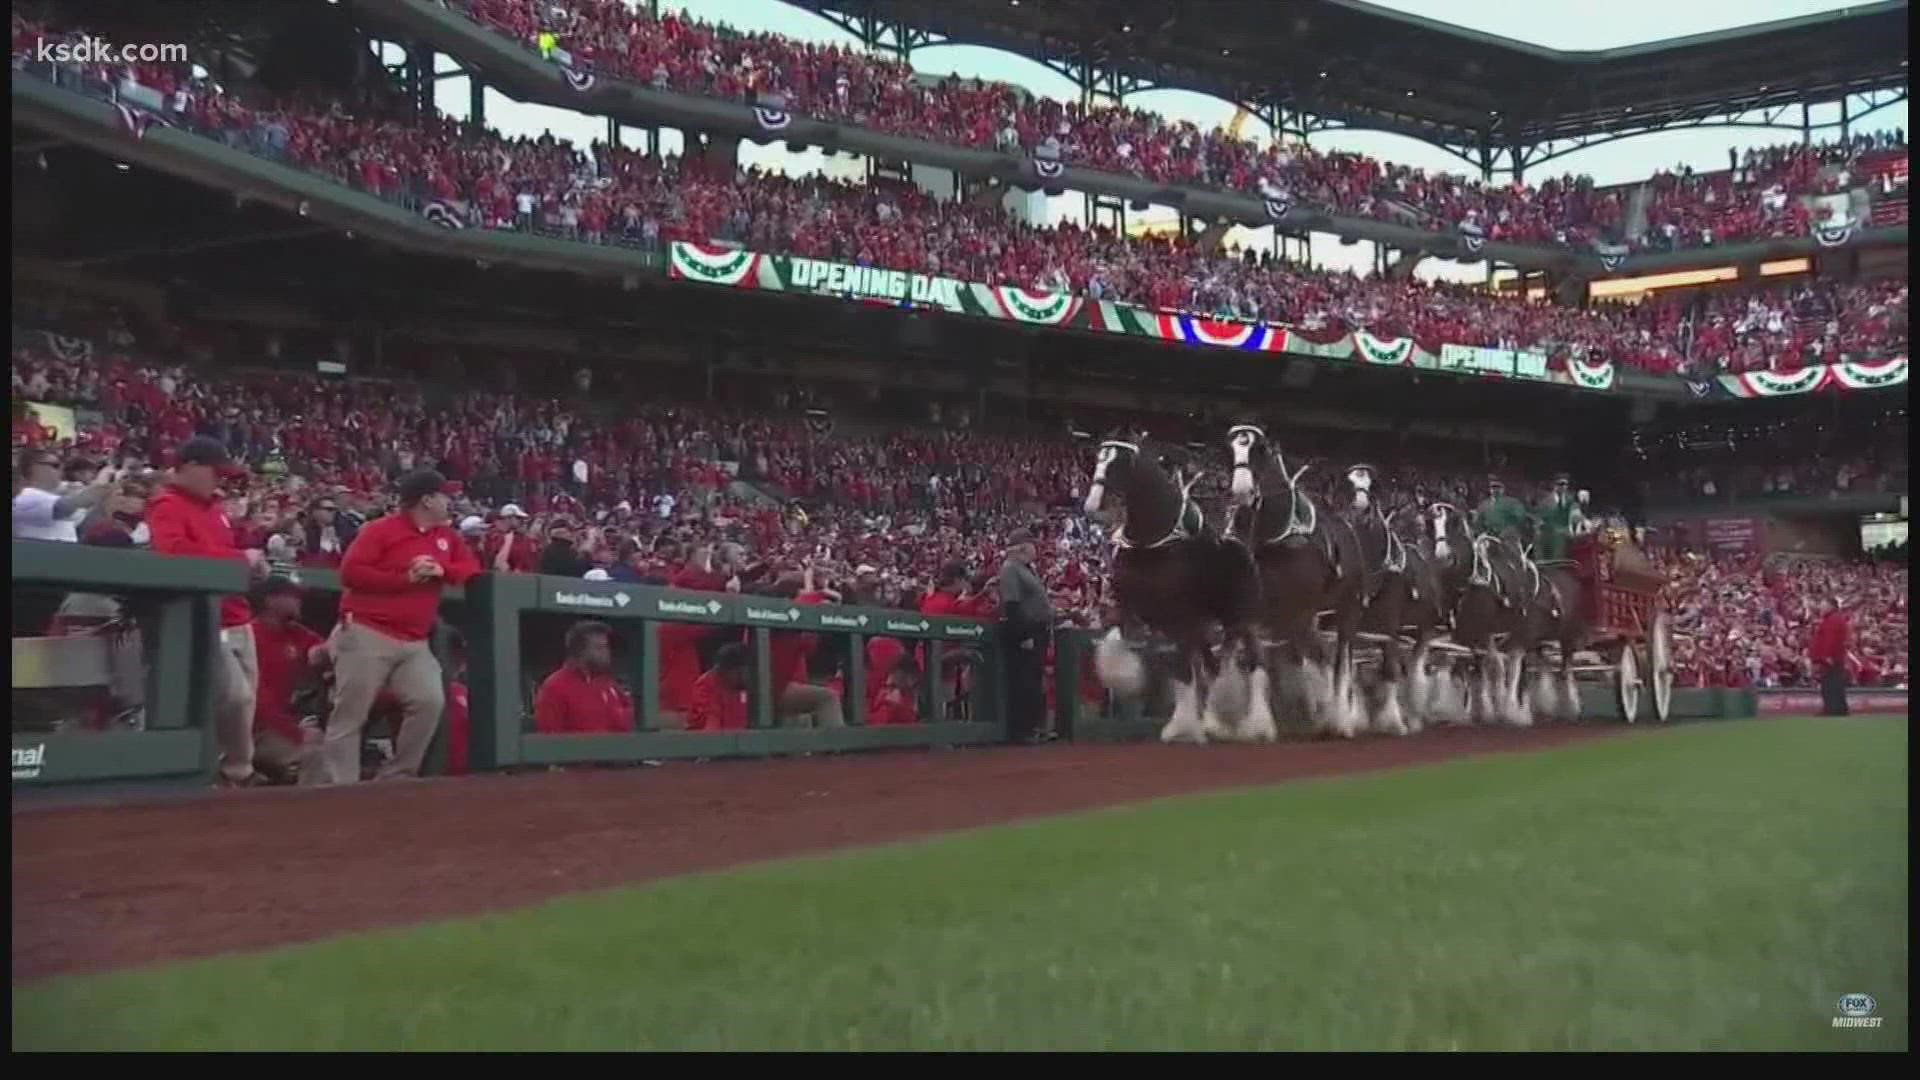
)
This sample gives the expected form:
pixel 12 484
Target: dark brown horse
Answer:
pixel 1508 608
pixel 1309 563
pixel 1173 575
pixel 1409 596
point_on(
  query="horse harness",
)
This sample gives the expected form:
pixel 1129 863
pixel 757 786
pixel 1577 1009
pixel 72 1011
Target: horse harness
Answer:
pixel 1187 512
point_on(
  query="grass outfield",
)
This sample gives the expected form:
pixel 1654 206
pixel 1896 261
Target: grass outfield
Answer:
pixel 1717 886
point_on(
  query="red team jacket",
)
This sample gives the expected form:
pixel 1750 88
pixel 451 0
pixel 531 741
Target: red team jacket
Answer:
pixel 714 706
pixel 374 574
pixel 280 650
pixel 570 702
pixel 1831 638
pixel 182 523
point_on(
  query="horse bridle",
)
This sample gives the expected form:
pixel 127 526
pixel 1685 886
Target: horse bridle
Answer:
pixel 1295 527
pixel 1176 533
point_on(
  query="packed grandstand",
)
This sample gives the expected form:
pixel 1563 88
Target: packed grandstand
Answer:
pixel 564 466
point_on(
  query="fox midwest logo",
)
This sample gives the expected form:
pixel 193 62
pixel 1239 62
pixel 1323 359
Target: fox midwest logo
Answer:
pixel 1856 1011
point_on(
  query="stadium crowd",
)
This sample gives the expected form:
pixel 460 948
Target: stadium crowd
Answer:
pixel 1747 621
pixel 708 497
pixel 476 177
pixel 1760 195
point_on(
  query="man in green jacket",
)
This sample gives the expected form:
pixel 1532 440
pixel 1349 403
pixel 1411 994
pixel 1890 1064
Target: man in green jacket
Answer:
pixel 1559 517
pixel 1501 514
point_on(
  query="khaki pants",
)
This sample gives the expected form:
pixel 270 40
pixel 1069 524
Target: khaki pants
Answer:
pixel 236 680
pixel 817 702
pixel 365 662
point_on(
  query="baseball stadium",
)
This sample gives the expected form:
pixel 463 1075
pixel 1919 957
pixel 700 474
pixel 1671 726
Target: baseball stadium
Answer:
pixel 990 525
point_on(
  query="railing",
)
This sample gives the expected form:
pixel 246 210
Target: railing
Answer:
pixel 505 619
pixel 173 603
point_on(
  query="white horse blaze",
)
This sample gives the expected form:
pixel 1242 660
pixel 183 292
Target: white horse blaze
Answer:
pixel 1243 487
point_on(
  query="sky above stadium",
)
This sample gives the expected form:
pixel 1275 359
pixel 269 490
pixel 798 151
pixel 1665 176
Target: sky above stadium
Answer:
pixel 1574 25
pixel 1558 24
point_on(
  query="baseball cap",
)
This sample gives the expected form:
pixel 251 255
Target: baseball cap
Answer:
pixel 864 569
pixel 201 450
pixel 512 510
pixel 280 583
pixel 472 523
pixel 421 483
pixel 597 574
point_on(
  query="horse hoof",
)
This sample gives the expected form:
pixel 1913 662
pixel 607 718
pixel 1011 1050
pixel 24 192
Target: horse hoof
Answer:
pixel 1179 733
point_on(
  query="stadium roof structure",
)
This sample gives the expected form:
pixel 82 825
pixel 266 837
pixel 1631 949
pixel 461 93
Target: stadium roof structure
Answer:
pixel 1343 63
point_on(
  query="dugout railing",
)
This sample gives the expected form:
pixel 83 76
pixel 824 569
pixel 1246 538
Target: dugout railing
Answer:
pixel 159 647
pixel 511 626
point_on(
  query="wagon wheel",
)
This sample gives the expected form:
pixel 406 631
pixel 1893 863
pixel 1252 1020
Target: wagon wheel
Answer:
pixel 1660 664
pixel 1627 681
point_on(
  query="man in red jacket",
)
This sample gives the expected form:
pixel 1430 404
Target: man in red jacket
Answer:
pixel 1832 638
pixel 288 654
pixel 187 518
pixel 581 697
pixel 391 577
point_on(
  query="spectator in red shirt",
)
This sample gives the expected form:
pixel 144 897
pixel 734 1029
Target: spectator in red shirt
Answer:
pixel 289 654
pixel 187 519
pixel 581 698
pixel 719 698
pixel 392 576
pixel 509 549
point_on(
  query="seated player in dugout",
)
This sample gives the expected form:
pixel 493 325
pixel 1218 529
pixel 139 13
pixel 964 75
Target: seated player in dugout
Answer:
pixel 290 655
pixel 796 700
pixel 718 700
pixel 581 697
pixel 893 699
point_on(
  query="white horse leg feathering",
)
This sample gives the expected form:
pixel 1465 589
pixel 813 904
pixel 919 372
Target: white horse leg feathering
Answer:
pixel 1259 725
pixel 1511 701
pixel 1569 704
pixel 1390 718
pixel 1185 725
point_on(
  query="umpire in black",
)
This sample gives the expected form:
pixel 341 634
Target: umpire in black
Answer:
pixel 1026 627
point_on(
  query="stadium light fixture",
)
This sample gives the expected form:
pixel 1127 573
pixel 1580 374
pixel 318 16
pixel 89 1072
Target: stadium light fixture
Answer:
pixel 122 166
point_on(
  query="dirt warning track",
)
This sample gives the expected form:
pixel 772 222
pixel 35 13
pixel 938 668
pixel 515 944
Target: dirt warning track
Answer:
pixel 107 886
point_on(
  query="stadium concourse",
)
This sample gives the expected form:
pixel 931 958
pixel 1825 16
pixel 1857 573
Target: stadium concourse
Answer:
pixel 614 195
pixel 879 515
